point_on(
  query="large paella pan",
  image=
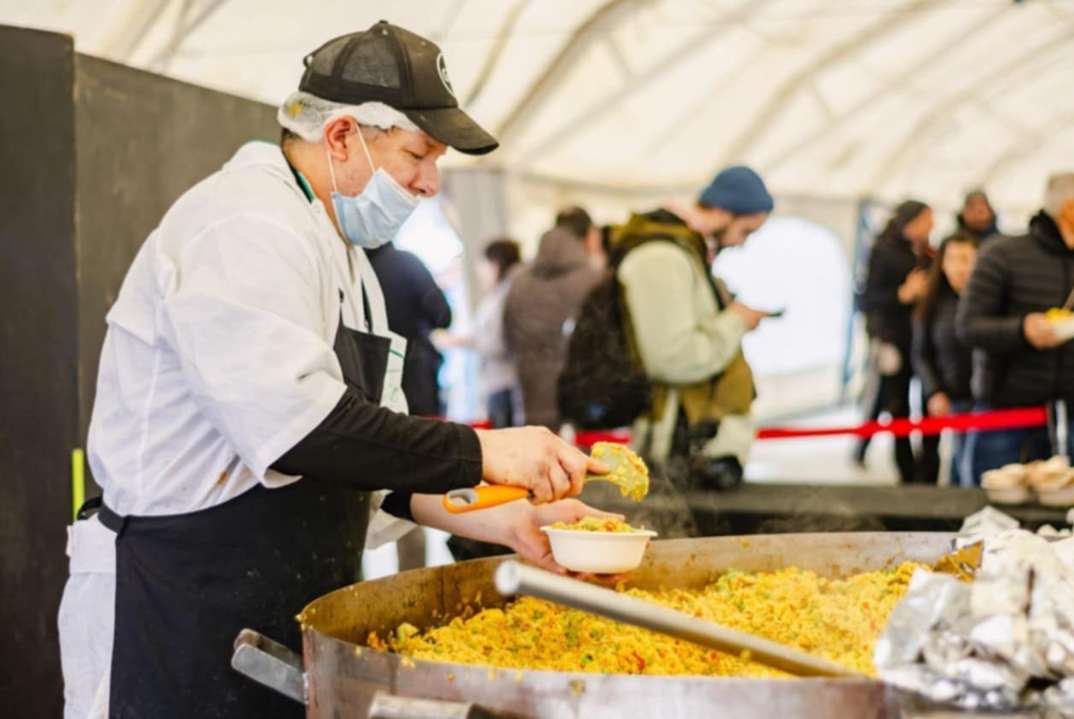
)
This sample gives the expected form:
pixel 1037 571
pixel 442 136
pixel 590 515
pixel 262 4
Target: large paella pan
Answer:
pixel 340 675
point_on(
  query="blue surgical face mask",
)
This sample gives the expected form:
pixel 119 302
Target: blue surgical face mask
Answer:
pixel 372 219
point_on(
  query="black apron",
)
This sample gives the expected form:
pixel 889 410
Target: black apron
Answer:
pixel 186 585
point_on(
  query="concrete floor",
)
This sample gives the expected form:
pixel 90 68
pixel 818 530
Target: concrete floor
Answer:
pixel 822 460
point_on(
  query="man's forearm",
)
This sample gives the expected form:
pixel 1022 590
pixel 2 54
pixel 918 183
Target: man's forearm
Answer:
pixel 485 525
pixel 367 447
pixel 995 334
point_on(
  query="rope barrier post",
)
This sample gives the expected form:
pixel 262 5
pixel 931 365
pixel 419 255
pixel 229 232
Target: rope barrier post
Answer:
pixel 1062 430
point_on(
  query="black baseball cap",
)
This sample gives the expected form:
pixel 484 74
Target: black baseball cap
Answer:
pixel 402 70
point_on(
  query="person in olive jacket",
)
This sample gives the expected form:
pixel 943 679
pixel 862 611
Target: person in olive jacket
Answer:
pixel 941 360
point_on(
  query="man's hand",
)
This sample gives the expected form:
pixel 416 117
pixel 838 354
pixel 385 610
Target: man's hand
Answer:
pixel 527 539
pixel 750 316
pixel 1039 331
pixel 913 288
pixel 516 525
pixel 445 339
pixel 536 459
pixel 939 405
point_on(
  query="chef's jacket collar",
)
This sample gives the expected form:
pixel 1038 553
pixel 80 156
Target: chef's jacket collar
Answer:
pixel 269 154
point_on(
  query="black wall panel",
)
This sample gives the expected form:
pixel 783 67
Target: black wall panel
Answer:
pixel 91 156
pixel 38 361
pixel 142 140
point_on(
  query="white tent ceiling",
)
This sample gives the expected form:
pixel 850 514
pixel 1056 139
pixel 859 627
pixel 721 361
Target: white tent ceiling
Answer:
pixel 836 98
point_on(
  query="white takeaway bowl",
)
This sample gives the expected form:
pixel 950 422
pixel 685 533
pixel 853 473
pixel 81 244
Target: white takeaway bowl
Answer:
pixel 1064 329
pixel 598 552
pixel 1019 494
pixel 1060 497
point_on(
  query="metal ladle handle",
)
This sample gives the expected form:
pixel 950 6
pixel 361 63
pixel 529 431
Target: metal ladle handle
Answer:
pixel 277 667
pixel 514 578
pixel 269 663
pixel 388 706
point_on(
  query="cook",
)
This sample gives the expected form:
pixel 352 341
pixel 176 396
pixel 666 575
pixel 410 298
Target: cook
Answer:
pixel 248 413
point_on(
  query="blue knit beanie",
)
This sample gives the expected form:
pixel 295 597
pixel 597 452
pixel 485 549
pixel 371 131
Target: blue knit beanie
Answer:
pixel 739 190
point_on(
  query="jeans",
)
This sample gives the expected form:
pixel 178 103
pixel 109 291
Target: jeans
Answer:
pixel 501 409
pixel 992 450
pixel 961 470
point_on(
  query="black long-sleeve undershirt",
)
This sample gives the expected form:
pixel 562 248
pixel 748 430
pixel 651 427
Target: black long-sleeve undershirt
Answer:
pixel 369 448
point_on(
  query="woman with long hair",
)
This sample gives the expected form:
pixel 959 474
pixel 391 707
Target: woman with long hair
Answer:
pixel 898 266
pixel 941 360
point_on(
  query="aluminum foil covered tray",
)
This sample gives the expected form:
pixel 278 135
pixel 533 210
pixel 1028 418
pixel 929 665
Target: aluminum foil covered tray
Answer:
pixel 1003 641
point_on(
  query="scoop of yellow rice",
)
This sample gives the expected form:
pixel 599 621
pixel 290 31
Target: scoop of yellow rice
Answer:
pixel 839 620
pixel 1058 314
pixel 596 524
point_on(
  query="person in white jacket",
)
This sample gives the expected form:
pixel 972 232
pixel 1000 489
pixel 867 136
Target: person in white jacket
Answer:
pixel 249 420
pixel 498 375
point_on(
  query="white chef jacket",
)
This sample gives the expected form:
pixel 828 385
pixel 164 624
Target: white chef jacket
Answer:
pixel 190 412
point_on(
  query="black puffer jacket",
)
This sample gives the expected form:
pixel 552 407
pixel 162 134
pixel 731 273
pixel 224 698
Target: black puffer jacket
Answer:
pixel 1014 277
pixel 942 362
pixel 890 262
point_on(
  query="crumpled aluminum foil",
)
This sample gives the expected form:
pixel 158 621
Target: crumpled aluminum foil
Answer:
pixel 1004 641
pixel 986 522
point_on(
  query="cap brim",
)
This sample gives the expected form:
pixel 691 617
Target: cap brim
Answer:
pixel 454 128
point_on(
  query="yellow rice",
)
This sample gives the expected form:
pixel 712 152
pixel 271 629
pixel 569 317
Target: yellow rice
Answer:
pixel 839 620
pixel 596 524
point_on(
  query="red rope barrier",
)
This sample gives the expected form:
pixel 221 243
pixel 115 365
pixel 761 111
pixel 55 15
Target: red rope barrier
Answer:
pixel 587 439
pixel 986 421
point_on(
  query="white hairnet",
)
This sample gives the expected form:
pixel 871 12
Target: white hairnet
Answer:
pixel 306 115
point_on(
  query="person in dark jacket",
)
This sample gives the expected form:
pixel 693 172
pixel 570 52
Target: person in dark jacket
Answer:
pixel 942 362
pixel 977 218
pixel 541 306
pixel 896 280
pixel 416 306
pixel 1021 360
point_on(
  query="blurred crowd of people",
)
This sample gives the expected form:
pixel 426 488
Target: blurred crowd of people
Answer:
pixel 964 327
pixel 626 325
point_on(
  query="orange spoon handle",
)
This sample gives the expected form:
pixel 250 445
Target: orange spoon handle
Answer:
pixel 467 500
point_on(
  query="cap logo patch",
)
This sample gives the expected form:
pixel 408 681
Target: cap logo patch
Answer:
pixel 441 68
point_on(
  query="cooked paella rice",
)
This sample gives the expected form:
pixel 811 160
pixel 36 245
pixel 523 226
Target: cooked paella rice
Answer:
pixel 628 469
pixel 839 620
pixel 596 524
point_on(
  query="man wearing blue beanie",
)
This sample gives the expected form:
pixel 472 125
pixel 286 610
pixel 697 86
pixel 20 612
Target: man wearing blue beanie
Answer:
pixel 685 330
pixel 739 191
